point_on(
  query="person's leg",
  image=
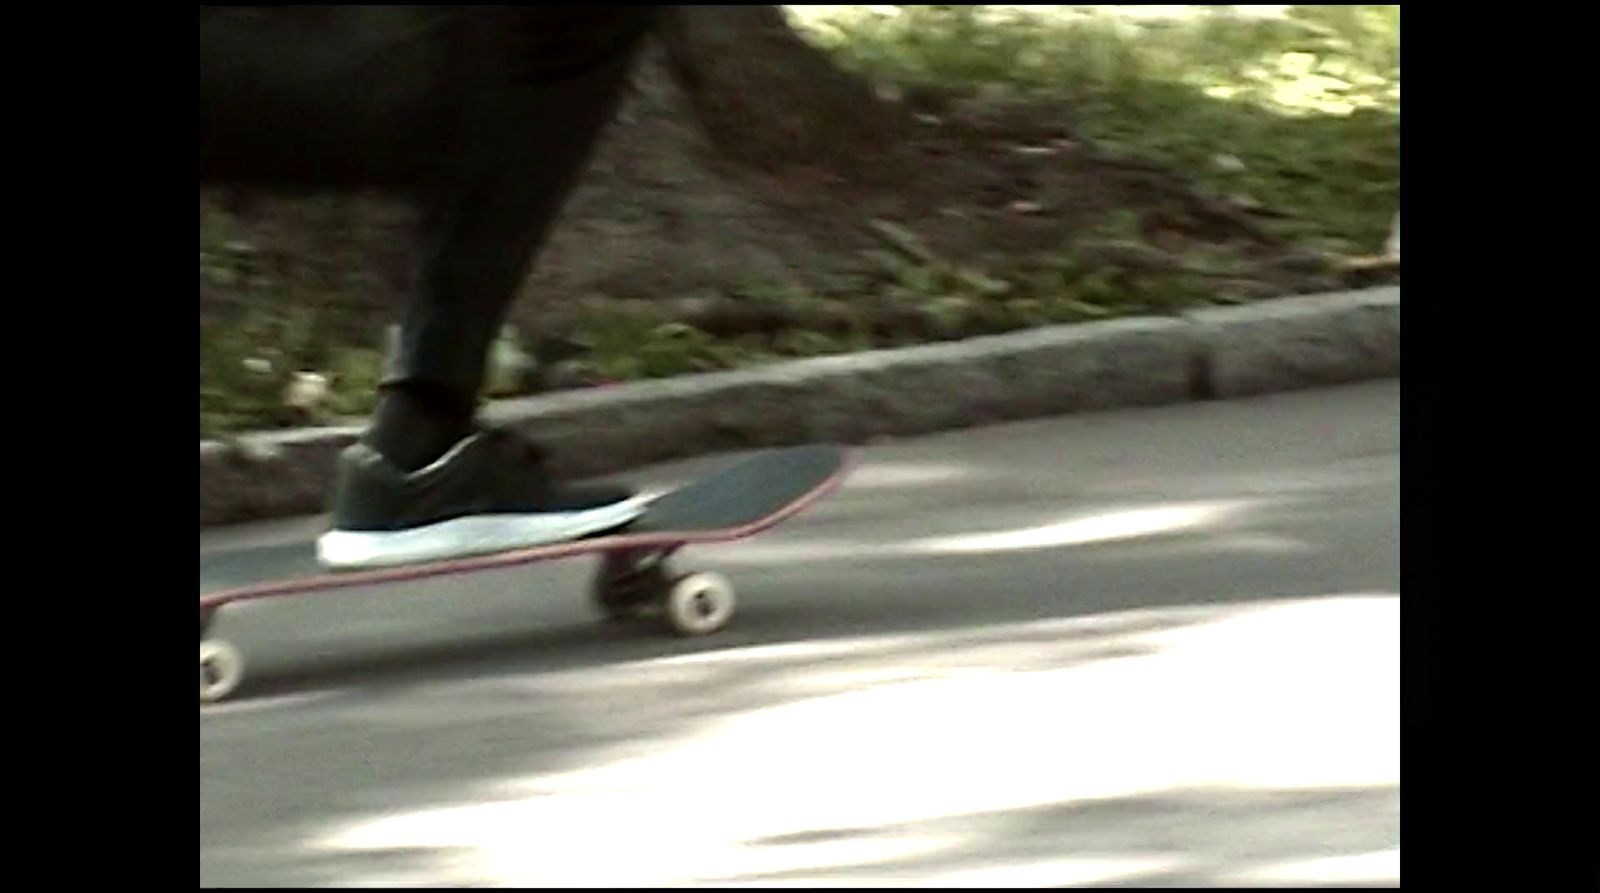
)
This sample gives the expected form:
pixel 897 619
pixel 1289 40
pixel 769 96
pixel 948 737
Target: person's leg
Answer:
pixel 324 97
pixel 523 141
pixel 489 115
pixel 425 483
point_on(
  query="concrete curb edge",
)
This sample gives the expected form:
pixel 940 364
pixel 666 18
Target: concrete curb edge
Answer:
pixel 1277 345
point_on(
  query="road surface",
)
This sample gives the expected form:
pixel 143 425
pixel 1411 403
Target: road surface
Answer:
pixel 1151 647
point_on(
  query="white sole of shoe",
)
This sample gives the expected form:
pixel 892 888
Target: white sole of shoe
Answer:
pixel 461 537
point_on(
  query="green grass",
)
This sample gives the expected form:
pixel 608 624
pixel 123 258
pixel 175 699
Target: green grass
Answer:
pixel 1299 113
pixel 246 366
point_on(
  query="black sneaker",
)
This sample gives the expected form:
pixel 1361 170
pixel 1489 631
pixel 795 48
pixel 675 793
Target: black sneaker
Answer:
pixel 489 493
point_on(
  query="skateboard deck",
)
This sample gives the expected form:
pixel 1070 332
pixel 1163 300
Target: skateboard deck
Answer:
pixel 634 577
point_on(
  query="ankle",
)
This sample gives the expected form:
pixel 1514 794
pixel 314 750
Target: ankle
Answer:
pixel 415 424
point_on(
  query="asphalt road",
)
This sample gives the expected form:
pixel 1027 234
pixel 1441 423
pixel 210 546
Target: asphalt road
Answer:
pixel 1152 647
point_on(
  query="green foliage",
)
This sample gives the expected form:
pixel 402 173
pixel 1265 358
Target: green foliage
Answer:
pixel 247 364
pixel 797 343
pixel 1308 102
pixel 622 349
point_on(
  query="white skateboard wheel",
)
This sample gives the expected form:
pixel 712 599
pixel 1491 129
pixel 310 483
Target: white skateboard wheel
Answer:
pixel 699 604
pixel 221 670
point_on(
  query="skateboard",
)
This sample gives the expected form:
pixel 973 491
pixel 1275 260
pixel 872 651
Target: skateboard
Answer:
pixel 634 578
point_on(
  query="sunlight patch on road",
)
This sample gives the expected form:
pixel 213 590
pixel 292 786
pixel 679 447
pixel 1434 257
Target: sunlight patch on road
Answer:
pixel 790 551
pixel 808 552
pixel 1263 544
pixel 1097 528
pixel 1378 867
pixel 1067 872
pixel 873 474
pixel 1119 525
pixel 884 475
pixel 1064 872
pixel 923 753
pixel 260 705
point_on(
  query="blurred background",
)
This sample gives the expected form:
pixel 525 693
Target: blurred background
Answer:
pixel 795 181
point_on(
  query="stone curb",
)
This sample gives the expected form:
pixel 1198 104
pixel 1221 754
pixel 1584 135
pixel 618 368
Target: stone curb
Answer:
pixel 1276 345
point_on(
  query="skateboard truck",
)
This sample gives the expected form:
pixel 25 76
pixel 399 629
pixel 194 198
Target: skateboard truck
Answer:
pixel 632 582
